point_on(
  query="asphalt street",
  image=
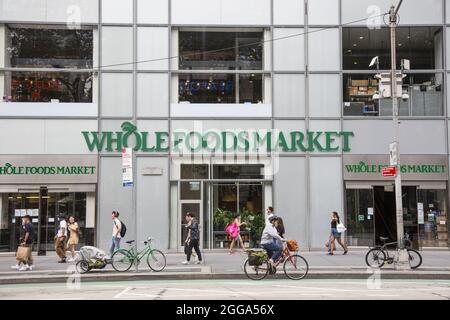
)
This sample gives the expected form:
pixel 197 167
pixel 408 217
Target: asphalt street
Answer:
pixel 324 289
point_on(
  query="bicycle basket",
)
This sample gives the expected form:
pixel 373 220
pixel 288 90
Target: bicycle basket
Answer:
pixel 292 245
pixel 257 258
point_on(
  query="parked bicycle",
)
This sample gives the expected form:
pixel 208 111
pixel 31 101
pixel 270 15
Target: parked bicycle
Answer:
pixel 257 265
pixel 378 256
pixel 123 259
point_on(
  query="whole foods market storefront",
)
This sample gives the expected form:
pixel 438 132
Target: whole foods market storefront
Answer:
pixel 370 199
pixel 45 188
pixel 215 190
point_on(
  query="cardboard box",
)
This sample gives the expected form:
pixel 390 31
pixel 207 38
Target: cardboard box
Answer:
pixel 360 83
pixel 371 91
pixel 442 236
pixel 441 228
pixel 352 91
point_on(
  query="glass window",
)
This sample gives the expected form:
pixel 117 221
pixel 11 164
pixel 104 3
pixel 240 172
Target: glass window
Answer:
pixel 220 88
pixel 33 47
pixel 194 171
pixel 358 95
pixel 248 171
pixel 424 91
pixel 220 50
pixel 421 45
pixel 433 230
pixel 48 87
pixel 360 224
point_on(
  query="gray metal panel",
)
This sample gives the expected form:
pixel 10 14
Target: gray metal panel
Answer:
pixel 113 197
pixel 153 202
pixel 291 198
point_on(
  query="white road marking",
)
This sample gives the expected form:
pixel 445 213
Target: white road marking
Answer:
pixel 124 291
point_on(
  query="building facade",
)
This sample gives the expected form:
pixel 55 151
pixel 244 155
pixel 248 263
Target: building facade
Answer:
pixel 230 106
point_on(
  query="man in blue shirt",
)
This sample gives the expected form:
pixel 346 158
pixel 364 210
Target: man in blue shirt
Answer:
pixel 26 241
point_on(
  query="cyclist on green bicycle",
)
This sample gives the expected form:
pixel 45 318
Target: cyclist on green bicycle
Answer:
pixel 269 241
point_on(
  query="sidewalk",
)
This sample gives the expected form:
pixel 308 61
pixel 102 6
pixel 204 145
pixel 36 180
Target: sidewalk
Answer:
pixel 220 265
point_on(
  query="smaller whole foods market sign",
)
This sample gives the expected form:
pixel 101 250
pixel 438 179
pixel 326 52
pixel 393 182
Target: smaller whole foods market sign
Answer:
pixel 48 169
pixel 228 141
pixel 412 167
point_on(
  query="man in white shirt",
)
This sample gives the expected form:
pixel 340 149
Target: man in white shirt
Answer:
pixel 60 239
pixel 117 227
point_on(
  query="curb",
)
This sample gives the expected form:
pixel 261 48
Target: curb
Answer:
pixel 398 275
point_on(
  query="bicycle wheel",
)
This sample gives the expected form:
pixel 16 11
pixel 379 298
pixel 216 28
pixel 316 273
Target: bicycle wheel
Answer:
pixel 82 266
pixel 415 259
pixel 122 260
pixel 295 267
pixel 375 258
pixel 156 260
pixel 256 272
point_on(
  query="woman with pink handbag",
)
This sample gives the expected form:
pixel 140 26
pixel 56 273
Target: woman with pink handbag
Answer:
pixel 234 230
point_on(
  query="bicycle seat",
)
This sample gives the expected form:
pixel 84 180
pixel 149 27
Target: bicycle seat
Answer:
pixel 384 239
pixel 130 241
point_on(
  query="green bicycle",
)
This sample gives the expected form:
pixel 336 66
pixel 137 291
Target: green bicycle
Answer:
pixel 123 259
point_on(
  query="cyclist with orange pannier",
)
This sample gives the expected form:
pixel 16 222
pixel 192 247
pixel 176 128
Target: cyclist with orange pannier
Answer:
pixel 269 241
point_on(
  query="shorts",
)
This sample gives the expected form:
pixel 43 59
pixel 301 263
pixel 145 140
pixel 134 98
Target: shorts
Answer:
pixel 335 233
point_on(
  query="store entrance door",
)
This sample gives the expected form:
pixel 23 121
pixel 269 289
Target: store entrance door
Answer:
pixel 385 213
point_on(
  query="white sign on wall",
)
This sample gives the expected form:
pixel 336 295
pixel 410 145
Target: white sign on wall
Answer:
pixel 127 167
pixel 420 215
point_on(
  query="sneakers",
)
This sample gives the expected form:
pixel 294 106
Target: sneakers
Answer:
pixel 16 267
pixel 199 262
pixel 30 267
pixel 25 267
pixel 345 252
pixel 62 261
pixel 185 262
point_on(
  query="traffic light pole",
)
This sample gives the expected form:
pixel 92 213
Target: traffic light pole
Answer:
pixel 402 262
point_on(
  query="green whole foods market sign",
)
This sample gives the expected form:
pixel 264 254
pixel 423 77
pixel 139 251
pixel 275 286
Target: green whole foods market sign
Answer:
pixel 218 141
pixel 412 167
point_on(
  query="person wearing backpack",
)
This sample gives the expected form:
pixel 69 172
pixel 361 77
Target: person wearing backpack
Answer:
pixel 117 232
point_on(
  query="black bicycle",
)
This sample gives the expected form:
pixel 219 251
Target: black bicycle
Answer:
pixel 378 256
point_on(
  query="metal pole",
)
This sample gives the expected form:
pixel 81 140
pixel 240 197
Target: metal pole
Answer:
pixel 403 260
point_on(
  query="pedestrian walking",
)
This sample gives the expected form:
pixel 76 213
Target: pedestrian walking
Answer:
pixel 192 239
pixel 61 238
pixel 269 214
pixel 24 251
pixel 116 233
pixel 234 231
pixel 335 235
pixel 74 237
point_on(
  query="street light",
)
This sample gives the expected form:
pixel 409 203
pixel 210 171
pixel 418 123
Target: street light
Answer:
pixel 390 88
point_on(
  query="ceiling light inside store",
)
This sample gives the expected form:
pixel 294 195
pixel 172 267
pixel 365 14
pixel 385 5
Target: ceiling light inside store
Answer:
pixel 360 38
pixel 355 45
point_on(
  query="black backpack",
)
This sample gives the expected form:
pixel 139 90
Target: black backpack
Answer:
pixel 123 230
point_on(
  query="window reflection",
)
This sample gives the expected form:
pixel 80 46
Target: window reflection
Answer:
pixel 48 87
pixel 33 46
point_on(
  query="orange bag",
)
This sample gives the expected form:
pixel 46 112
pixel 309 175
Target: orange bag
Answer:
pixel 292 245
